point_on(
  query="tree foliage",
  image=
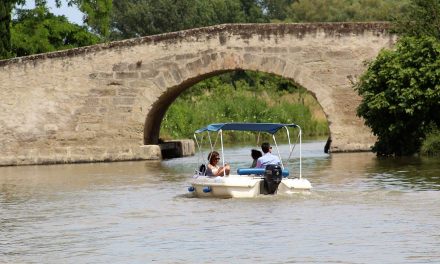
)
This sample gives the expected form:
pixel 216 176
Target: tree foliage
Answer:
pixel 6 7
pixel 401 88
pixel 401 95
pixel 133 18
pixel 422 18
pixel 278 10
pixel 96 12
pixel 346 10
pixel 97 17
pixel 37 31
pixel 262 97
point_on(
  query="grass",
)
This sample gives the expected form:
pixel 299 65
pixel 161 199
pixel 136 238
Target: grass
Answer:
pixel 217 100
pixel 431 145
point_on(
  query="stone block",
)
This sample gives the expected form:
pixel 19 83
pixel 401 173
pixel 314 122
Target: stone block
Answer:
pixel 275 50
pixel 123 101
pixel 149 152
pixel 123 66
pixel 91 101
pixel 128 92
pixel 85 110
pixel 124 109
pixel 127 75
pixel 177 148
pixel 147 74
pixel 50 128
pixel 103 91
pixel 194 66
pixel 186 56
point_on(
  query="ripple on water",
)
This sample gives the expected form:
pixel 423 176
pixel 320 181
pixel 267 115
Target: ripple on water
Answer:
pixel 361 210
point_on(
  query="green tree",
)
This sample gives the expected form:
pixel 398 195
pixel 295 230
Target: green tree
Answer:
pixel 37 31
pixel 133 18
pixel 422 18
pixel 278 9
pixel 401 95
pixel 253 11
pixel 6 7
pixel 97 13
pixel 346 10
pixel 401 88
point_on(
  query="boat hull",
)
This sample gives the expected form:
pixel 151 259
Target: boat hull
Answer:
pixel 238 186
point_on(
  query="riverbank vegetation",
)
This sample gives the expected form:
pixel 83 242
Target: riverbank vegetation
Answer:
pixel 243 96
pixel 431 145
pixel 401 87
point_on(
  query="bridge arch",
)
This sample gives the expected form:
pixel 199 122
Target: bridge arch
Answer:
pixel 214 65
pixel 105 102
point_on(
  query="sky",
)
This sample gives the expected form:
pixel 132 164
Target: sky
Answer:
pixel 71 12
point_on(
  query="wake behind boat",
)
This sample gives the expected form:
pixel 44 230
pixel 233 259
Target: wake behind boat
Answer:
pixel 247 182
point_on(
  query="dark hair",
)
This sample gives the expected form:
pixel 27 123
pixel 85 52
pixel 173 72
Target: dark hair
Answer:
pixel 265 147
pixel 256 154
pixel 213 155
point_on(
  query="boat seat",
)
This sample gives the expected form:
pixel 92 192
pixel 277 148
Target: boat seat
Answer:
pixel 257 171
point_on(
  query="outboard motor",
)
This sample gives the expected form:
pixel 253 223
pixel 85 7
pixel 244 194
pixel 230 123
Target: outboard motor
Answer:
pixel 272 178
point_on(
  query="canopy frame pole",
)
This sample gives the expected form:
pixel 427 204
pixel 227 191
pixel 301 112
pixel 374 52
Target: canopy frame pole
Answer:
pixel 300 153
pixel 215 142
pixel 223 153
pixel 294 146
pixel 210 142
pixel 288 137
pixel 278 151
pixel 198 146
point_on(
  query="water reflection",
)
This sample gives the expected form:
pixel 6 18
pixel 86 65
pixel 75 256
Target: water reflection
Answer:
pixel 366 171
pixel 409 173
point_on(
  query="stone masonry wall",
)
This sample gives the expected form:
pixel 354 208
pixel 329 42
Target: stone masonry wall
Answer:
pixel 106 102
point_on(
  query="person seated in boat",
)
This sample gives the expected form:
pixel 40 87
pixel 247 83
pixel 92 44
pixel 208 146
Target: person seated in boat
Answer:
pixel 213 168
pixel 268 158
pixel 255 155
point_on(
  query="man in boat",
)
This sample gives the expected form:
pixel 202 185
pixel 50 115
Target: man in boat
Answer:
pixel 268 158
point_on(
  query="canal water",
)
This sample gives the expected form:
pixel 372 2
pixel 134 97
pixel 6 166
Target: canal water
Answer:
pixel 361 210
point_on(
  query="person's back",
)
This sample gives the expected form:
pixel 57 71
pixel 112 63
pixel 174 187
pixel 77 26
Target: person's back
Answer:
pixel 268 158
pixel 256 154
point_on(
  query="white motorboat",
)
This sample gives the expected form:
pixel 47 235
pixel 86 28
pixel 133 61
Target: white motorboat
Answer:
pixel 247 182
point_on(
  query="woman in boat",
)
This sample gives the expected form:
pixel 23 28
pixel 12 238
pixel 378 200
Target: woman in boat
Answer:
pixel 213 168
pixel 255 155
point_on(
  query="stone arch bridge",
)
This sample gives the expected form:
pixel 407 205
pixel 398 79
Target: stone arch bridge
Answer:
pixel 106 102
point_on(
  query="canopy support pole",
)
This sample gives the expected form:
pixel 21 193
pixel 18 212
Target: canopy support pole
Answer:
pixel 300 153
pixel 198 146
pixel 278 151
pixel 258 139
pixel 288 138
pixel 210 141
pixel 223 153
